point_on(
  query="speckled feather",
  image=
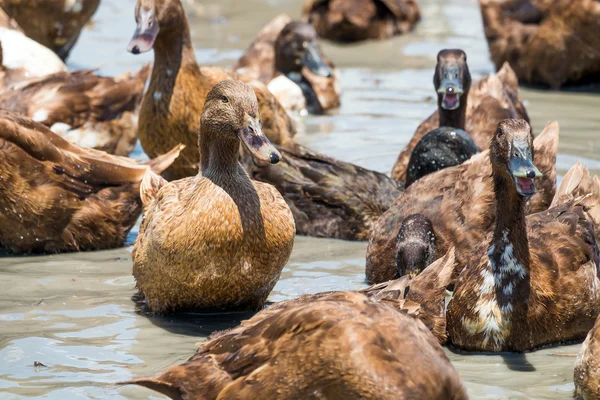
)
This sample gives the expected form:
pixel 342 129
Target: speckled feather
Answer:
pixel 492 99
pixel 459 201
pixel 56 196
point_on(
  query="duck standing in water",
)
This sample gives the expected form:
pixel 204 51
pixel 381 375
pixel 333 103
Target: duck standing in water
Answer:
pixel 459 209
pixel 287 57
pixel 552 43
pixel 82 107
pixel 178 87
pixel 55 24
pixel 537 282
pixel 355 20
pixel 337 345
pixel 475 109
pixel 587 366
pixel 217 239
pixel 56 196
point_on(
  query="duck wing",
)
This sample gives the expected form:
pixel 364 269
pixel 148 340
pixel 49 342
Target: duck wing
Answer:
pixel 328 197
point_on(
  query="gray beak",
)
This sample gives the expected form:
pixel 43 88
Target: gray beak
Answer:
pixel 312 60
pixel 451 87
pixel 521 167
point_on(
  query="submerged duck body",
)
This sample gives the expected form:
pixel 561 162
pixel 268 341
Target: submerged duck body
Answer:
pixel 537 283
pixel 56 196
pixel 551 43
pixel 82 107
pixel 356 20
pixel 55 24
pixel 218 239
pixel 287 57
pixel 178 87
pixel 350 345
pixel 476 109
pixel 459 202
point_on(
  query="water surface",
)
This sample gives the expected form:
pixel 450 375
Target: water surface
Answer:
pixel 75 314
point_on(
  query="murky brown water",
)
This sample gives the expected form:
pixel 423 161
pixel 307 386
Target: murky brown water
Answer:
pixel 74 312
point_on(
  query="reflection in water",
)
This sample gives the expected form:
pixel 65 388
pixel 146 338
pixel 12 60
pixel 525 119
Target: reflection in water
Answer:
pixel 74 313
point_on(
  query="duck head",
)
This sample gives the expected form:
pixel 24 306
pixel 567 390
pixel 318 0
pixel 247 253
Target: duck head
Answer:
pixel 154 17
pixel 511 154
pixel 231 115
pixel 415 245
pixel 452 79
pixel 296 47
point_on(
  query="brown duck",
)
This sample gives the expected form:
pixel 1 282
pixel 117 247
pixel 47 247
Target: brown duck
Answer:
pixel 356 20
pixel 476 109
pixel 459 203
pixel 82 107
pixel 56 196
pixel 552 43
pixel 217 239
pixel 178 87
pixel 287 57
pixel 586 375
pixel 54 23
pixel 537 282
pixel 340 345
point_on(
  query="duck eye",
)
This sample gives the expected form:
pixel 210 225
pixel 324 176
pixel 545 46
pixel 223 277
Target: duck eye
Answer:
pixel 500 132
pixel 224 99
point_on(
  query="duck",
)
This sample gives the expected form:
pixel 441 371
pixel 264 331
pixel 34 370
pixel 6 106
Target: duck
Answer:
pixel 348 21
pixel 178 87
pixel 287 57
pixel 552 44
pixel 82 107
pixel 474 108
pixel 231 253
pixel 459 202
pixel 58 197
pixel 22 53
pixel 56 24
pixel 587 384
pixel 10 76
pixel 307 348
pixel 537 281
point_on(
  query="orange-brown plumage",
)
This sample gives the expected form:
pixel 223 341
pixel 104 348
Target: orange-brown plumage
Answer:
pixel 552 43
pixel 587 366
pixel 54 23
pixel 492 99
pixel 459 201
pixel 534 281
pixel 178 88
pixel 56 196
pixel 287 57
pixel 339 345
pixel 217 239
pixel 356 20
pixel 84 108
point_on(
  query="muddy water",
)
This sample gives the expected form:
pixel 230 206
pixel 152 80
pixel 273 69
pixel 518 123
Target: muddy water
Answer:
pixel 75 313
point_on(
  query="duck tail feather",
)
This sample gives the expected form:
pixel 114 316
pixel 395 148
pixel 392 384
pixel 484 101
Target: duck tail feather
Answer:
pixel 158 385
pixel 151 184
pixel 570 184
pixel 438 275
pixel 162 162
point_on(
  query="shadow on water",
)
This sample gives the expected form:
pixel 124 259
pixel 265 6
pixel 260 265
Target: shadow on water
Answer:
pixel 513 361
pixel 200 324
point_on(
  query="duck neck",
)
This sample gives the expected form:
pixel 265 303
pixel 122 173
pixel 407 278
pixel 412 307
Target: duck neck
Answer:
pixel 173 49
pixel 218 157
pixel 454 118
pixel 509 250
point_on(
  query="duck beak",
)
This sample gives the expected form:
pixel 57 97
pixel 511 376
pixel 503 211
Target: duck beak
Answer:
pixel 312 60
pixel 145 33
pixel 521 167
pixel 451 87
pixel 255 140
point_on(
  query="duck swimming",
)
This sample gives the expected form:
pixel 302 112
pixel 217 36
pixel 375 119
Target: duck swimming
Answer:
pixel 231 253
pixel 340 345
pixel 586 377
pixel 536 283
pixel 55 24
pixel 56 196
pixel 82 107
pixel 459 203
pixel 355 20
pixel 551 43
pixel 476 109
pixel 178 87
pixel 287 57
